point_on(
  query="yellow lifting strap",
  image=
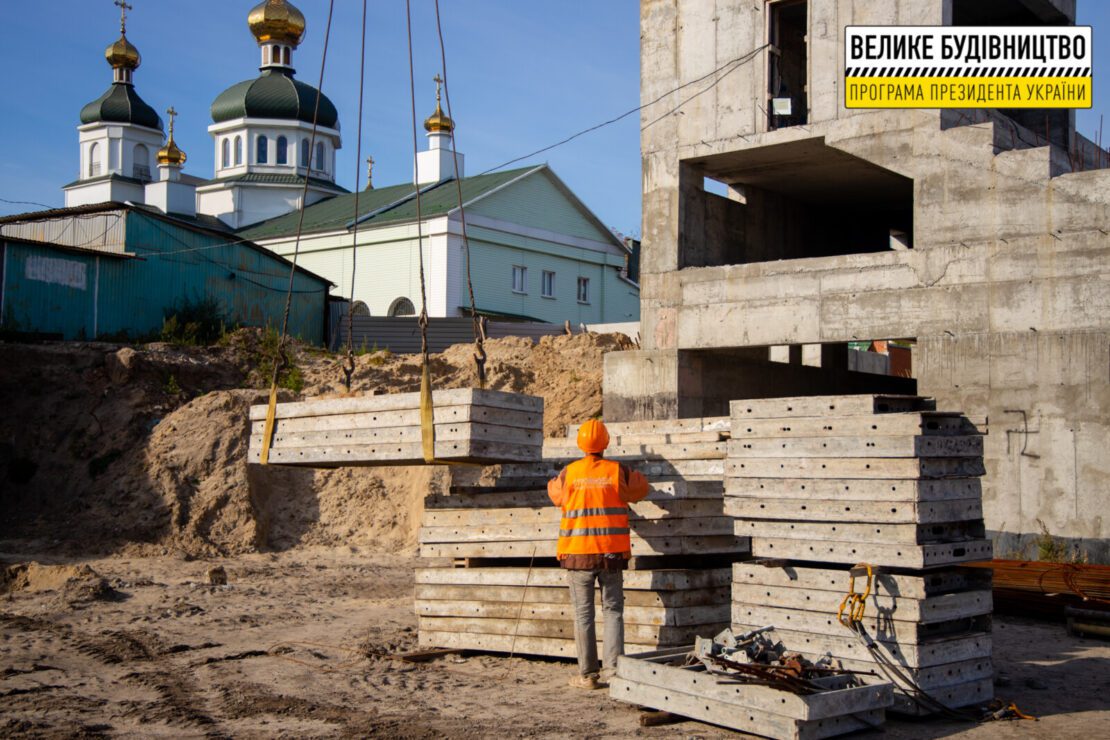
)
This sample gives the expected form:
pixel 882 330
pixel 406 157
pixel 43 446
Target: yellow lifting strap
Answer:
pixel 268 427
pixel 427 414
pixel 853 606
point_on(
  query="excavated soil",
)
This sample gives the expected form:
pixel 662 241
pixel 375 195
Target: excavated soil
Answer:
pixel 142 450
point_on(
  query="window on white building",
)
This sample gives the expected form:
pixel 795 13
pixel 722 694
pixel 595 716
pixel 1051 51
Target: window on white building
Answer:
pixel 225 154
pixel 238 150
pixel 94 160
pixel 262 156
pixel 320 156
pixel 583 290
pixel 402 307
pixel 282 150
pixel 306 155
pixel 141 163
pixel 520 279
pixel 547 284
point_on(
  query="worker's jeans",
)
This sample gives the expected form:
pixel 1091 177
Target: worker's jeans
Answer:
pixel 581 584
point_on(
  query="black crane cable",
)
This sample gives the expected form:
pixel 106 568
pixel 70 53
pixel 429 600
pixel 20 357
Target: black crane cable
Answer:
pixel 349 362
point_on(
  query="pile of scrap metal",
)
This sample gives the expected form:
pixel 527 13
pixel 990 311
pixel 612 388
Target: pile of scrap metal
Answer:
pixel 755 658
pixel 752 683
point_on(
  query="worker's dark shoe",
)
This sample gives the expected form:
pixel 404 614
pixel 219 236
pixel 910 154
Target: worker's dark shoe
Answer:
pixel 589 682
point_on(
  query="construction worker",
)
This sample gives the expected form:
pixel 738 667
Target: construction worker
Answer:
pixel 594 545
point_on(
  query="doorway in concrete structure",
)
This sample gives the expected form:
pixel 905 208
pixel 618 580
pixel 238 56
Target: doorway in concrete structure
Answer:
pixel 790 201
pixel 714 377
pixel 788 70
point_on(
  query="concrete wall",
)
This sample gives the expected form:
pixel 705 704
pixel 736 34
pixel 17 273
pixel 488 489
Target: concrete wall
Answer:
pixel 1006 287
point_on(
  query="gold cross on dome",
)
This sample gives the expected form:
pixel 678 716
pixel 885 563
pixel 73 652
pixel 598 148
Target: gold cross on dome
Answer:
pixel 439 82
pixel 369 173
pixel 172 113
pixel 123 8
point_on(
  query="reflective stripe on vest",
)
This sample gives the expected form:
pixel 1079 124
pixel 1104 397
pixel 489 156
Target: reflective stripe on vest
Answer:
pixel 595 520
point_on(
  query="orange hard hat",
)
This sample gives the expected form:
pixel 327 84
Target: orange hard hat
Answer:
pixel 593 437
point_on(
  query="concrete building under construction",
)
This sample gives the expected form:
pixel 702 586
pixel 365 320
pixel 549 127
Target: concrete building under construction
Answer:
pixel 978 237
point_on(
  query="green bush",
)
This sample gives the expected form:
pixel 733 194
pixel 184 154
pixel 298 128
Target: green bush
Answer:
pixel 194 322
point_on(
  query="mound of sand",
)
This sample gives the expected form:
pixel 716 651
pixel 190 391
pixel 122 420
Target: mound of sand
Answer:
pixel 135 465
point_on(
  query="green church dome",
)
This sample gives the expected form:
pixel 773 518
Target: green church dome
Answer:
pixel 274 94
pixel 121 104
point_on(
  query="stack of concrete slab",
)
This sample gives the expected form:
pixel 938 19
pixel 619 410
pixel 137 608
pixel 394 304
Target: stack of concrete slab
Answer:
pixel 471 425
pixel 677 587
pixel 825 483
pixel 527 610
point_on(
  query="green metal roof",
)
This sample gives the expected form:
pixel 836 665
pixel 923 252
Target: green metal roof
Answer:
pixel 274 94
pixel 268 178
pixel 393 204
pixel 121 104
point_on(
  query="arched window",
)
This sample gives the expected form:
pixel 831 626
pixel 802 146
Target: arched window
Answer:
pixel 225 153
pixel 306 157
pixel 276 58
pixel 94 160
pixel 320 156
pixel 141 162
pixel 263 150
pixel 402 307
pixel 282 150
pixel 287 56
pixel 360 309
pixel 238 150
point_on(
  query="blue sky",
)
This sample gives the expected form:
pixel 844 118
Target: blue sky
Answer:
pixel 523 75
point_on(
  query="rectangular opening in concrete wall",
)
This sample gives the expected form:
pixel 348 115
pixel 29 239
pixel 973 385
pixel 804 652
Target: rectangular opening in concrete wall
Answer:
pixel 788 70
pixel 1034 126
pixel 714 377
pixel 791 201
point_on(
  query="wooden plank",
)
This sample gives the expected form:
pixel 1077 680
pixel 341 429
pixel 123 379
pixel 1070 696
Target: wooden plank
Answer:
pixel 389 435
pixel 880 604
pixel 531 531
pixel 638 511
pixel 396 454
pixel 521 645
pixel 863 534
pixel 849 646
pixel 826 510
pixel 858 405
pixel 661 426
pixel 854 467
pixel 872 447
pixel 517 595
pixel 680 616
pixel 889 585
pixel 892 556
pixel 879 625
pixel 563 629
pixel 726 714
pixel 695 680
pixel 560 451
pixel 649 580
pixel 951 489
pixel 640 547
pixel 441 415
pixel 401 402
pixel 926 423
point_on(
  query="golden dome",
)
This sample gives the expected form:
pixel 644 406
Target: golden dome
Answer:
pixel 123 54
pixel 170 153
pixel 439 121
pixel 277 20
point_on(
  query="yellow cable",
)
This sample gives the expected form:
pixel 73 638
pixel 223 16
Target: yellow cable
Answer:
pixel 268 427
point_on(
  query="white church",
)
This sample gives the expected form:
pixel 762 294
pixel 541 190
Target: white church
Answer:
pixel 537 252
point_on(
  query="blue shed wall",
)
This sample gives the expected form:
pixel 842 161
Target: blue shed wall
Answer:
pixel 42 292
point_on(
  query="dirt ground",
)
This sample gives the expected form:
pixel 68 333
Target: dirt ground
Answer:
pixel 296 645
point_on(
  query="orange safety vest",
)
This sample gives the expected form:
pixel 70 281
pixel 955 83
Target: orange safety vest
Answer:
pixel 595 519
